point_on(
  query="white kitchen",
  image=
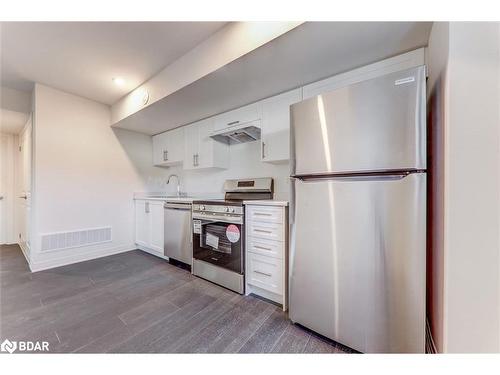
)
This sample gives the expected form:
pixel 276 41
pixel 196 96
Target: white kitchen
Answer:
pixel 250 187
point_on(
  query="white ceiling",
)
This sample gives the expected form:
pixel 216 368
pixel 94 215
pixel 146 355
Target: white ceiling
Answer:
pixel 312 51
pixel 12 122
pixel 83 57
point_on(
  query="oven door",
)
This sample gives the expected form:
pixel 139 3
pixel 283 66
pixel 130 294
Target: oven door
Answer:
pixel 219 243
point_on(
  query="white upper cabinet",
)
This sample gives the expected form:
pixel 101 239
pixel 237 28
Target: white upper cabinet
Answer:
pixel 275 142
pixel 168 148
pixel 201 151
pixel 238 116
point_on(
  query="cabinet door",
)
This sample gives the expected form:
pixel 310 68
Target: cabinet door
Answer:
pixel 176 145
pixel 156 215
pixel 142 223
pixel 241 115
pixel 204 156
pixel 160 147
pixel 275 143
pixel 190 146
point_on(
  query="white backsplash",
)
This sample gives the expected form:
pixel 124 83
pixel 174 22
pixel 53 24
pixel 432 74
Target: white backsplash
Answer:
pixel 244 163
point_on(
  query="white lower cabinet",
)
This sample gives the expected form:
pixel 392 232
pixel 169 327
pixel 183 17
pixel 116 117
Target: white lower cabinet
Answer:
pixel 149 225
pixel 266 257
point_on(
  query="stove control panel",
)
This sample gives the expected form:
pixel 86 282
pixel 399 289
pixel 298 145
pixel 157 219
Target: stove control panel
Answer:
pixel 218 208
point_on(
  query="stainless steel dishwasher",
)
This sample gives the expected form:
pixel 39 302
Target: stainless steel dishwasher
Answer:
pixel 178 242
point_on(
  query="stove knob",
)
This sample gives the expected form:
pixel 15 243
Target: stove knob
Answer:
pixel 202 208
pixel 226 209
pixel 232 210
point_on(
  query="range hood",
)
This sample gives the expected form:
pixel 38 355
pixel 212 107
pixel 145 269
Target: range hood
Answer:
pixel 241 133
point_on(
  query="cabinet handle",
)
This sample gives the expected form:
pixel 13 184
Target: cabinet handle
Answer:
pixel 194 160
pixel 263 273
pixel 146 207
pixel 197 163
pixel 262 248
pixel 165 155
pixel 263 231
pixel 262 214
pixel 232 123
pixel 263 153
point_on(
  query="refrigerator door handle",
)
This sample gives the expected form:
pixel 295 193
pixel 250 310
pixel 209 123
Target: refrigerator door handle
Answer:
pixel 359 176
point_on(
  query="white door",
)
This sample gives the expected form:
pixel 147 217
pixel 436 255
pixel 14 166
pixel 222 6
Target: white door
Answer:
pixel 190 146
pixel 160 148
pixel 204 158
pixel 276 126
pixel 176 145
pixel 6 174
pixel 156 213
pixel 24 192
pixel 142 223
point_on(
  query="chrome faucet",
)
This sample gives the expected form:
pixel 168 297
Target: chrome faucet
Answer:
pixel 178 183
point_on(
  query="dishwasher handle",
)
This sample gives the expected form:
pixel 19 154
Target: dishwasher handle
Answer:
pixel 177 206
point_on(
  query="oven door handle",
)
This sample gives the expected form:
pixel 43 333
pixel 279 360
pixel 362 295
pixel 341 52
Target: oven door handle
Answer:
pixel 218 220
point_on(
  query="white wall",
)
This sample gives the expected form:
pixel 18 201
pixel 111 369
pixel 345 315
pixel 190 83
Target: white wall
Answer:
pixel 472 188
pixel 437 89
pixel 244 163
pixel 226 45
pixel 15 100
pixel 464 66
pixel 85 174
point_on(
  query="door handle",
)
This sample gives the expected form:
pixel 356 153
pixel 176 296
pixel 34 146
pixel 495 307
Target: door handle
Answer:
pixel 22 197
pixel 262 248
pixel 263 273
pixel 263 153
pixel 263 231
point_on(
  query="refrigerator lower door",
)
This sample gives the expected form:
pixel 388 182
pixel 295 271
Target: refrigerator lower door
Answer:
pixel 357 267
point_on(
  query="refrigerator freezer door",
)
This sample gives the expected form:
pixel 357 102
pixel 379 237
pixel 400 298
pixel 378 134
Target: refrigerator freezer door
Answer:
pixel 358 261
pixel 378 124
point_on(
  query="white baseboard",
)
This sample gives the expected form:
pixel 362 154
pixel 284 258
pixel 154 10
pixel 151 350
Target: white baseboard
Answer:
pixel 71 259
pixel 152 252
pixel 25 251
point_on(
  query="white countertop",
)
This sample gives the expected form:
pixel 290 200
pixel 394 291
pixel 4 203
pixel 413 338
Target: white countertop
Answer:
pixel 277 201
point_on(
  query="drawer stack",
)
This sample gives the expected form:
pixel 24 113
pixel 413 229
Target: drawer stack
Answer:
pixel 266 244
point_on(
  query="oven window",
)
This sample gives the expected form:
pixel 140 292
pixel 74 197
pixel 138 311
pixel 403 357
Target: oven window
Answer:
pixel 220 243
pixel 214 238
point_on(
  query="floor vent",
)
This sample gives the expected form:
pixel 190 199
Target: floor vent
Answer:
pixel 68 240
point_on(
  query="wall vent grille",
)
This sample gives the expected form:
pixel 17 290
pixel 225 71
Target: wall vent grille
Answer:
pixel 68 240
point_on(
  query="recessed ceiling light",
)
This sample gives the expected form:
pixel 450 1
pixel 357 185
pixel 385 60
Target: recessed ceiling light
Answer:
pixel 119 81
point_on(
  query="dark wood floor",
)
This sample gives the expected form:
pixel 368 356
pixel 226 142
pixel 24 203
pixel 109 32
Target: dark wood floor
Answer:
pixel 135 302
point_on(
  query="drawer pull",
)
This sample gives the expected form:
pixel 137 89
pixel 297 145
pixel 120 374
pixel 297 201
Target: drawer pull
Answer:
pixel 263 231
pixel 263 273
pixel 262 214
pixel 262 248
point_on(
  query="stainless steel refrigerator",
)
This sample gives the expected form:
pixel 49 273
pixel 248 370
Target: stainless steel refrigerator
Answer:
pixel 358 215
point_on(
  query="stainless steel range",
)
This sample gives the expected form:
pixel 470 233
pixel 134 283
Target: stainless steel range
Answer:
pixel 219 232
